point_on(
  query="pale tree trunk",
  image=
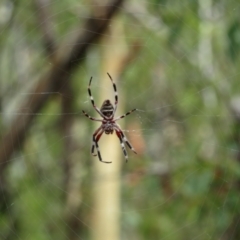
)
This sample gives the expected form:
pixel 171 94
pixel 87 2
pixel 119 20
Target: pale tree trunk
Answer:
pixel 205 52
pixel 107 181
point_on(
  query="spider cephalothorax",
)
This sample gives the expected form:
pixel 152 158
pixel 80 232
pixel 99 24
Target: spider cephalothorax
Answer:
pixel 109 124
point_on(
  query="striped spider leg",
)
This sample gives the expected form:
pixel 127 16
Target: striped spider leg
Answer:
pixel 116 94
pixel 123 140
pixel 108 126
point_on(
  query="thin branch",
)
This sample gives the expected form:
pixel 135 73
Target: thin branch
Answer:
pixel 45 25
pixel 60 71
pixel 140 14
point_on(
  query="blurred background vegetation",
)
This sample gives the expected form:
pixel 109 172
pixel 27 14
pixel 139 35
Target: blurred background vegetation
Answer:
pixel 180 71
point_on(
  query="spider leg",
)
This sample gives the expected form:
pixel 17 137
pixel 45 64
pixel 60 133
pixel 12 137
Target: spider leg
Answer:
pixel 93 141
pixel 123 116
pixel 96 137
pixel 92 99
pixel 122 144
pixel 91 118
pixel 125 139
pixel 115 92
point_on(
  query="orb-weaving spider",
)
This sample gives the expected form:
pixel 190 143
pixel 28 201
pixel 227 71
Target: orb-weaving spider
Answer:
pixel 109 125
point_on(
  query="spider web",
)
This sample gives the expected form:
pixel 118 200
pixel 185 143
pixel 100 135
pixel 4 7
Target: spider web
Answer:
pixel 183 184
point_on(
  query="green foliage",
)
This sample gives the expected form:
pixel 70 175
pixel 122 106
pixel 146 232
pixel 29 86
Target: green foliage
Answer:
pixel 184 183
pixel 234 39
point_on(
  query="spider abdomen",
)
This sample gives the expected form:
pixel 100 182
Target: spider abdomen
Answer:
pixel 107 108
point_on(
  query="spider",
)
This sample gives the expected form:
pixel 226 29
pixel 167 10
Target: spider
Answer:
pixel 109 125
